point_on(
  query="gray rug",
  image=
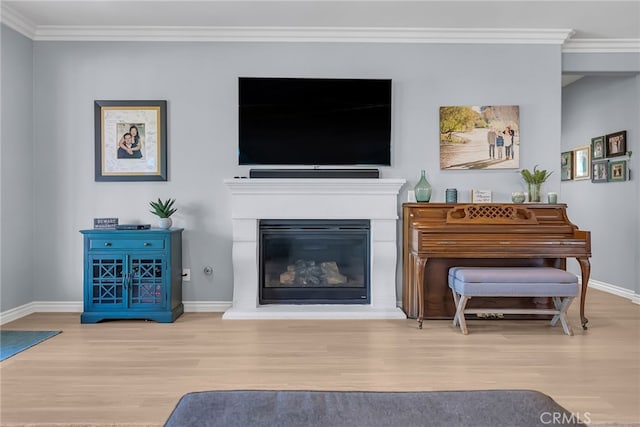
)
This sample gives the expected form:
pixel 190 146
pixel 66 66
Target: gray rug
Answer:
pixel 494 408
pixel 13 342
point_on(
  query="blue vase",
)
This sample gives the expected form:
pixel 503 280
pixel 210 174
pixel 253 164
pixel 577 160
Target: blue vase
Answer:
pixel 423 188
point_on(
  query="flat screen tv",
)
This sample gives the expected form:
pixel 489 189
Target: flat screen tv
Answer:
pixel 310 121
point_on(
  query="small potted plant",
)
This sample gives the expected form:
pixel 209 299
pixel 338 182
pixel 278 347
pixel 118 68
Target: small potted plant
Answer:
pixel 163 210
pixel 534 180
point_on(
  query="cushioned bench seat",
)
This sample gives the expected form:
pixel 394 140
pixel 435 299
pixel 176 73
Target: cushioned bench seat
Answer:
pixel 468 282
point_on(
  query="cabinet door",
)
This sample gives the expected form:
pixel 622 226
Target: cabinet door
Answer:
pixel 107 281
pixel 147 280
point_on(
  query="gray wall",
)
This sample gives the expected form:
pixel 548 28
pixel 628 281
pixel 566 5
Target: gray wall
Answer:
pixel 594 106
pixel 199 81
pixel 16 171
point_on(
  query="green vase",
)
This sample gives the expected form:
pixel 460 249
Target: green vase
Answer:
pixel 422 188
pixel 534 192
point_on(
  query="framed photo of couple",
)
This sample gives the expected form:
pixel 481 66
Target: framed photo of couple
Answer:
pixel 616 144
pixel 130 140
pixel 618 170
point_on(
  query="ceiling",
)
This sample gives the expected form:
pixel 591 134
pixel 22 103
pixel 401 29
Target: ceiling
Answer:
pixel 588 19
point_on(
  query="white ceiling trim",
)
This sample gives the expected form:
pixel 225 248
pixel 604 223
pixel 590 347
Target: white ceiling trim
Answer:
pixel 29 29
pixel 602 46
pixel 304 34
pixel 17 21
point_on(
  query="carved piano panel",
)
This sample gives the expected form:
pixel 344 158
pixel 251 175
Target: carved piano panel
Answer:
pixel 437 236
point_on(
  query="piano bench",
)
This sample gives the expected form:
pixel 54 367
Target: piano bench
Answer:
pixel 469 282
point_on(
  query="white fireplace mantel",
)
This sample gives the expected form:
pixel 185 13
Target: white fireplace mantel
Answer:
pixel 322 198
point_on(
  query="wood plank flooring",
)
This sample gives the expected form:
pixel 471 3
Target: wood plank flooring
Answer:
pixel 133 372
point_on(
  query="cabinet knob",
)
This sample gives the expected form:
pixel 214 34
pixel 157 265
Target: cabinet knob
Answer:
pixel 107 243
pixel 147 244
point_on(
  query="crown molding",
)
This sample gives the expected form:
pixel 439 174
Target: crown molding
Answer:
pixel 26 27
pixel 17 21
pixel 601 46
pixel 290 34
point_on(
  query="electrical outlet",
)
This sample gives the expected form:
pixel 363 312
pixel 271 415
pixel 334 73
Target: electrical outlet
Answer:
pixel 186 274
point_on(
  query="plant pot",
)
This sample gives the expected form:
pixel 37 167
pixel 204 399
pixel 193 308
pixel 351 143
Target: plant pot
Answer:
pixel 165 223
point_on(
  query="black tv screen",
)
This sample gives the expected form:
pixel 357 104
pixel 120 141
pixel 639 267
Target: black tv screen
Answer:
pixel 305 121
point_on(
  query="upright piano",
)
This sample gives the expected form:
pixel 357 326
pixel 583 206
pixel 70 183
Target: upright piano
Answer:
pixel 437 236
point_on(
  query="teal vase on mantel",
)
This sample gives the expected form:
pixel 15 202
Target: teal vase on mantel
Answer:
pixel 423 188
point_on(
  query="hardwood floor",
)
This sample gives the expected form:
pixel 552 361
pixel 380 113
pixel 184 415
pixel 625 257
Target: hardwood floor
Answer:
pixel 134 372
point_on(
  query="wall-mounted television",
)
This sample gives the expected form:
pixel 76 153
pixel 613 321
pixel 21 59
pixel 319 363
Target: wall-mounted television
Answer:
pixel 314 121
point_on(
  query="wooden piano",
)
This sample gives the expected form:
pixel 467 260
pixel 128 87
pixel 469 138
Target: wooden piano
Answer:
pixel 437 236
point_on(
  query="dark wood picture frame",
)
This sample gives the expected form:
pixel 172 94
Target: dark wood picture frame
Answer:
pixel 598 148
pixel 617 144
pixel 566 166
pixel 600 171
pixel 125 154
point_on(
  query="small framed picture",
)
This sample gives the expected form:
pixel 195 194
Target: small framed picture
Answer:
pixel 582 162
pixel 618 170
pixel 598 148
pixel 480 196
pixel 599 171
pixel 617 144
pixel 566 166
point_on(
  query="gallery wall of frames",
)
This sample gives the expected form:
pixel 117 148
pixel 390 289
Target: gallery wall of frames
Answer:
pixel 606 159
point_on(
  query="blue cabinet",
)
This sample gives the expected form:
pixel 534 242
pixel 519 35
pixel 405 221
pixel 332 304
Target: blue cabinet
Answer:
pixel 132 274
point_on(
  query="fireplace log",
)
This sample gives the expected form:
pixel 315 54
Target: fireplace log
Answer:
pixel 308 273
pixel 333 273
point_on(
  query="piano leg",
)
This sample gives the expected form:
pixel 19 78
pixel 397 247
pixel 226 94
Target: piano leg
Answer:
pixel 419 264
pixel 585 269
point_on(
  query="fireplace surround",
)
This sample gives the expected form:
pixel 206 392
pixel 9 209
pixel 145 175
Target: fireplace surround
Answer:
pixel 373 200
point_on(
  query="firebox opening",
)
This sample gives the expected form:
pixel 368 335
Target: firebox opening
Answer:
pixel 314 261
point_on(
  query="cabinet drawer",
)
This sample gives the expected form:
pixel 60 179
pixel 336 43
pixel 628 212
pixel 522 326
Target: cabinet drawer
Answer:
pixel 95 244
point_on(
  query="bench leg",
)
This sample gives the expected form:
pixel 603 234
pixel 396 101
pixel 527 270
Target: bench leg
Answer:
pixel 557 304
pixel 562 306
pixel 456 300
pixel 460 313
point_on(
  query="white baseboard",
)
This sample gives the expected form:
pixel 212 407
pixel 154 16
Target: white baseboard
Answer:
pixel 206 306
pixel 222 306
pixel 40 307
pixel 16 313
pixel 615 290
pixel 77 307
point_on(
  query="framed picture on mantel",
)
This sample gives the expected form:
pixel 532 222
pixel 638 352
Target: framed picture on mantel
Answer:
pixel 130 140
